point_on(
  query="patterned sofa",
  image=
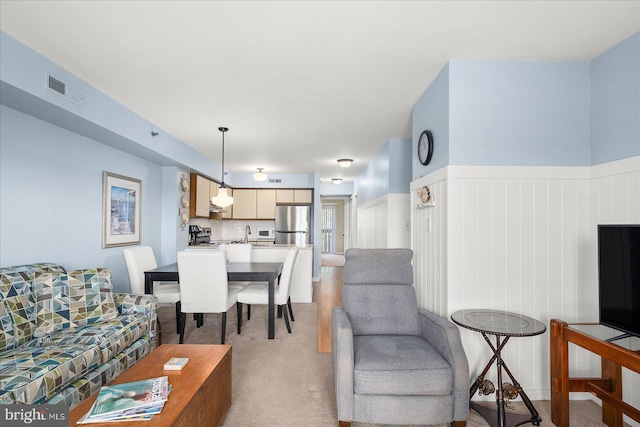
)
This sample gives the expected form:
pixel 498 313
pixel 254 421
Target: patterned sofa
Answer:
pixel 63 335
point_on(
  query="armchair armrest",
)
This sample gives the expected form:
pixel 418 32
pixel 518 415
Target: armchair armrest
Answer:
pixel 342 360
pixel 444 336
pixel 144 303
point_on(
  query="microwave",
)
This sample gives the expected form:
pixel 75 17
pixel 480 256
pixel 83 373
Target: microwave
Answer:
pixel 266 234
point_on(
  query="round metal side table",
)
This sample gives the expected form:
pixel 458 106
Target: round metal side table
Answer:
pixel 503 325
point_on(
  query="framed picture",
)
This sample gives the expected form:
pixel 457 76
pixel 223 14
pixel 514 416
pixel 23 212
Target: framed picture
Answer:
pixel 120 210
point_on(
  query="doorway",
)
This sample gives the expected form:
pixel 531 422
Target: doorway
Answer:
pixel 334 230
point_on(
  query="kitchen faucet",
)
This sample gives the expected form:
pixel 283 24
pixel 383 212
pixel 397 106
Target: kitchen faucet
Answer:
pixel 247 231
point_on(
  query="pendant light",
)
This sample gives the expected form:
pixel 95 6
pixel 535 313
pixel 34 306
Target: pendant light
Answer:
pixel 222 199
pixel 260 176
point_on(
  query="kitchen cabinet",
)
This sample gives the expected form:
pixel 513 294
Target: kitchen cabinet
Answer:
pixel 228 211
pixel 199 194
pixel 302 196
pixel 251 203
pixel 244 203
pixel 294 196
pixel 284 196
pixel 265 204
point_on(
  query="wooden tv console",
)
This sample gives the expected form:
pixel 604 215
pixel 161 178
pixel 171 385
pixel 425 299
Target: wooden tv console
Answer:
pixel 608 388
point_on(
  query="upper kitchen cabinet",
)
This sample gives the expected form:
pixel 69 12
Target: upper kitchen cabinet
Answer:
pixel 291 196
pixel 266 204
pixel 244 203
pixel 302 196
pixel 251 203
pixel 213 192
pixel 199 205
pixel 202 190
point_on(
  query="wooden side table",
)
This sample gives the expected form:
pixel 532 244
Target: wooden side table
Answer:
pixel 592 337
pixel 503 325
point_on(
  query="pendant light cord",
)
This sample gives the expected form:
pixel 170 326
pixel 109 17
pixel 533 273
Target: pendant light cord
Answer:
pixel 223 130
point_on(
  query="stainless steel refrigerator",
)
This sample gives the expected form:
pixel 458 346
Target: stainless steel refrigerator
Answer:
pixel 292 224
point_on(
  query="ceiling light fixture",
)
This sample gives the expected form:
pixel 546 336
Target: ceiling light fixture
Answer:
pixel 345 163
pixel 260 176
pixel 336 180
pixel 222 199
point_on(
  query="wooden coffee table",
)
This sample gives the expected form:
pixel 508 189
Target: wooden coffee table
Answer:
pixel 201 391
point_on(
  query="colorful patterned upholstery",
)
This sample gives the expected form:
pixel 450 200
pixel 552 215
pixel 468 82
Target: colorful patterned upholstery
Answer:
pixel 66 300
pixel 112 336
pixel 34 375
pixel 65 335
pixel 17 318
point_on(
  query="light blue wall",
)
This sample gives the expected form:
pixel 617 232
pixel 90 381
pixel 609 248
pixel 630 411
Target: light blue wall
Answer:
pixel 431 112
pixel 99 126
pixel 331 189
pixel 22 75
pixel 51 196
pixel 615 102
pixel 400 161
pixel 522 113
pixel 388 172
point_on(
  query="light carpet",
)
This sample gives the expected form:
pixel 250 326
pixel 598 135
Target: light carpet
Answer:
pixel 286 382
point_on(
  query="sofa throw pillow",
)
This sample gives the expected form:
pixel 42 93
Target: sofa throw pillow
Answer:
pixel 98 296
pixel 51 294
pixel 67 300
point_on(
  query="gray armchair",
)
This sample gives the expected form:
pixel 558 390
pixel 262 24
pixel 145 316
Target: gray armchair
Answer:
pixel 394 363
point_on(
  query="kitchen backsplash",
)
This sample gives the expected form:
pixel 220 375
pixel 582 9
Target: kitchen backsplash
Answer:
pixel 232 229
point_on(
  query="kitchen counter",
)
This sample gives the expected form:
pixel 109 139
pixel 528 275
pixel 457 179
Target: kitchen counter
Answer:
pixel 302 276
pixel 256 245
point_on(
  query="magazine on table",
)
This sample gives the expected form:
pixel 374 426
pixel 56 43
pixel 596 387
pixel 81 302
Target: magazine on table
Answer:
pixel 129 400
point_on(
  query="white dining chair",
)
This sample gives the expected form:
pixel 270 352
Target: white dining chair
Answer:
pixel 140 259
pixel 204 288
pixel 240 252
pixel 258 293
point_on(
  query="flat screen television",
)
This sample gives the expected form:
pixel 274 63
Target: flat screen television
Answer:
pixel 619 277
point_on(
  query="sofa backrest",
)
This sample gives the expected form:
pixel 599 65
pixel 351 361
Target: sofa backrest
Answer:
pixel 378 295
pixel 38 299
pixel 17 308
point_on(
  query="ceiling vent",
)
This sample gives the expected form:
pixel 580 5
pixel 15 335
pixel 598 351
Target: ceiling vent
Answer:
pixel 64 90
pixel 275 180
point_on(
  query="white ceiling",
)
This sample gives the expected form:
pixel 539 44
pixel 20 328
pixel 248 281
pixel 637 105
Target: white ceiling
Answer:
pixel 299 83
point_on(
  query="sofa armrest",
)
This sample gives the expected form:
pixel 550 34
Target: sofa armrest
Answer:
pixel 444 336
pixel 342 360
pixel 145 304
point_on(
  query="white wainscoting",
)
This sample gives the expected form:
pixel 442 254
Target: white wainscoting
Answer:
pixel 520 239
pixel 384 222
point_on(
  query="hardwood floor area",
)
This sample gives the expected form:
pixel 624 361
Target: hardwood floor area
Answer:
pixel 327 293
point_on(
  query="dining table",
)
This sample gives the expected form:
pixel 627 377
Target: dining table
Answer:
pixel 236 272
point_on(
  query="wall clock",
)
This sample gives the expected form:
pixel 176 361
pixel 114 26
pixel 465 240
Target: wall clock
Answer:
pixel 425 147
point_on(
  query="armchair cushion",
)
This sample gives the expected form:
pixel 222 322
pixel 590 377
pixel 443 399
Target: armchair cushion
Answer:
pixel 381 309
pixel 399 365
